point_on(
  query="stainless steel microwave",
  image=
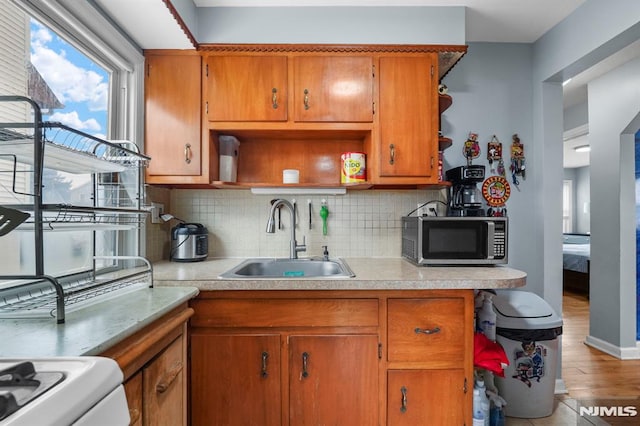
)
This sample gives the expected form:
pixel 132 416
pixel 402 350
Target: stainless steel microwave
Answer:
pixel 445 240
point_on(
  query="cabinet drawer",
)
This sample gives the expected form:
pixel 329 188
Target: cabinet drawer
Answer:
pixel 430 331
pixel 285 312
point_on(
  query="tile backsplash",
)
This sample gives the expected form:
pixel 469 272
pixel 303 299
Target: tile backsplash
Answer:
pixel 360 223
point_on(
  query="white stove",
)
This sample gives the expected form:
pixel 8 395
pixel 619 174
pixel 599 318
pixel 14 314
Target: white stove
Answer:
pixel 62 391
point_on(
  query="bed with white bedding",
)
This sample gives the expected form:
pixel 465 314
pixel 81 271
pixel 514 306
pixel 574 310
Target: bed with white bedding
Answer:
pixel 576 252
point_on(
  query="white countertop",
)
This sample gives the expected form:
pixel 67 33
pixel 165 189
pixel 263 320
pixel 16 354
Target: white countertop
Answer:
pixel 91 330
pixel 371 274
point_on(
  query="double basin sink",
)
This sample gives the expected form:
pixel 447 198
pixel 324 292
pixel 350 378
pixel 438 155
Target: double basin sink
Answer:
pixel 290 268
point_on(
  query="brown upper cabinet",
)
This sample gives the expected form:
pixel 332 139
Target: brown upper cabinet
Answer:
pixel 297 106
pixel 333 88
pixel 408 136
pixel 247 88
pixel 173 119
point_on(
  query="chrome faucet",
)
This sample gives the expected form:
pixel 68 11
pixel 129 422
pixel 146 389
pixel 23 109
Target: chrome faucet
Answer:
pixel 271 227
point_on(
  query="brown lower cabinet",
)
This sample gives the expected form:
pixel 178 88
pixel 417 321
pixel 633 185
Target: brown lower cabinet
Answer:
pixel 331 357
pixel 154 364
pixel 235 379
pixel 425 397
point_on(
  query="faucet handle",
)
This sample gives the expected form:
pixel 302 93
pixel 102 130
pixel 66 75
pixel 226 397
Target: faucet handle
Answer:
pixel 303 246
pixel 325 252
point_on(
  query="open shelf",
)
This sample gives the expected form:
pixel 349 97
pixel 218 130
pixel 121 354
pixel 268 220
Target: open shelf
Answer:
pixel 444 102
pixel 264 154
pixel 444 143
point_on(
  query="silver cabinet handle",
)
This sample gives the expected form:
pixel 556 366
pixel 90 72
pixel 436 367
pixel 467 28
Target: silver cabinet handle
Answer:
pixel 305 360
pixel 187 153
pixel 434 330
pixel 403 406
pixel 392 154
pixel 274 98
pixel 265 357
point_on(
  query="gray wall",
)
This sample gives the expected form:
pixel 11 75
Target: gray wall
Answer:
pixel 383 25
pixel 576 116
pixel 491 90
pixel 614 104
pixel 564 51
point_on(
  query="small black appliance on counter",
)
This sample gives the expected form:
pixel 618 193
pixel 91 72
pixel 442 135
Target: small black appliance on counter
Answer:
pixel 465 199
pixel 189 242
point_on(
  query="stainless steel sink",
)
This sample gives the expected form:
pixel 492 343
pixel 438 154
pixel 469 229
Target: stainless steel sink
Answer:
pixel 290 268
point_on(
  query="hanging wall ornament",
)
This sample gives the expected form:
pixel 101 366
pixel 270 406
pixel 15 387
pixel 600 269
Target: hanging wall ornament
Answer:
pixel 471 148
pixel 501 169
pixel 517 160
pixel 494 153
pixel 496 192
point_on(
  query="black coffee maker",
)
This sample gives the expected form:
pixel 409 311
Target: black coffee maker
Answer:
pixel 465 199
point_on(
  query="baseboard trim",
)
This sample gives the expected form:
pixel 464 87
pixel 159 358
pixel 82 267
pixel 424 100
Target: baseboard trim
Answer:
pixel 622 353
pixel 561 389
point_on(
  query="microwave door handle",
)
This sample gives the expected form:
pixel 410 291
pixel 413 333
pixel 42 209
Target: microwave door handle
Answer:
pixel 491 233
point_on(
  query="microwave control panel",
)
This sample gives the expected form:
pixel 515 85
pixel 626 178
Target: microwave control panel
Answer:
pixel 500 240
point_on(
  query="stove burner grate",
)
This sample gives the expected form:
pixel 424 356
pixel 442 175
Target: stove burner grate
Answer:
pixel 21 384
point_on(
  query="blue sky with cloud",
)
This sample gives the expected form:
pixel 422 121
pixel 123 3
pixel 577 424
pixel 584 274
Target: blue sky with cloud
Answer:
pixel 79 83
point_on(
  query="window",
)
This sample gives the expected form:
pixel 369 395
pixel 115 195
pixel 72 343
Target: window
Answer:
pixel 567 206
pixel 77 81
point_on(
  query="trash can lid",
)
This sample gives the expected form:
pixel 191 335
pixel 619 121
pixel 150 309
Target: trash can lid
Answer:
pixel 523 310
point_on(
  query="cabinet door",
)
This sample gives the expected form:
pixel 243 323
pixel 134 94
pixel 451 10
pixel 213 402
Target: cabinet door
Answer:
pixel 133 390
pixel 173 115
pixel 235 380
pixel 425 397
pixel 333 89
pixel 333 380
pixel 408 139
pixel 247 88
pixel 164 387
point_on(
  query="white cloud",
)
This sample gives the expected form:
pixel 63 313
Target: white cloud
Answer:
pixel 72 119
pixel 42 35
pixel 68 81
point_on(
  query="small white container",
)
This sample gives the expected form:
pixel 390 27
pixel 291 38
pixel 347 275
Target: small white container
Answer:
pixel 228 166
pixel 290 176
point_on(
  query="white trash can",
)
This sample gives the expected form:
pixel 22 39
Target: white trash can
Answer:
pixel 527 328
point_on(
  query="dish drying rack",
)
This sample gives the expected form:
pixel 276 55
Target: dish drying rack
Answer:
pixel 116 170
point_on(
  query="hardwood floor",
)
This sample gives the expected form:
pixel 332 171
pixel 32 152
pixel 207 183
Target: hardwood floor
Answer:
pixel 590 376
pixel 587 372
